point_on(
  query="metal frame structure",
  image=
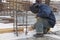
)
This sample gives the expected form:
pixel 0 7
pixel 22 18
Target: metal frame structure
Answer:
pixel 12 5
pixel 14 15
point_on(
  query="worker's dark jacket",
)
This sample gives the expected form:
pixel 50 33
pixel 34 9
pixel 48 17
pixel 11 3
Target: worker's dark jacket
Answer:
pixel 46 12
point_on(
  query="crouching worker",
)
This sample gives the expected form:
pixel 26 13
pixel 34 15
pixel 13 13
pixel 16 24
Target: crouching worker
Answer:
pixel 45 18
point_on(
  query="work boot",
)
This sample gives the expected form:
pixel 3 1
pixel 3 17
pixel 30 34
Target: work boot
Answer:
pixel 38 35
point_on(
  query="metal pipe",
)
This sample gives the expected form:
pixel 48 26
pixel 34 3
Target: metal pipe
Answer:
pixel 26 22
pixel 16 20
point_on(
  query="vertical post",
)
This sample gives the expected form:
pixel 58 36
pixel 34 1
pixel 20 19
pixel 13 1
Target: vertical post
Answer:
pixel 23 17
pixel 26 22
pixel 15 21
pixel 47 2
pixel 26 19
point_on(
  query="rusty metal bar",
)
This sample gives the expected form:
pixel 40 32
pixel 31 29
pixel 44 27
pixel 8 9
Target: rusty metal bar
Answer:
pixel 15 15
pixel 26 22
pixel 14 20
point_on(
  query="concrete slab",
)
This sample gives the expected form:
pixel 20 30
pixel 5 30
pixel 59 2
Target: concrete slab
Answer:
pixel 51 36
pixel 41 38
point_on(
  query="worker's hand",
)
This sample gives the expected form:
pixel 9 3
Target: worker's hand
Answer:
pixel 37 17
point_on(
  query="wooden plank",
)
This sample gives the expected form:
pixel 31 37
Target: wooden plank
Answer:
pixel 8 30
pixel 20 29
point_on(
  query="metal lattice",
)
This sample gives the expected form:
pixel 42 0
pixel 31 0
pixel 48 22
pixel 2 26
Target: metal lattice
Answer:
pixel 15 8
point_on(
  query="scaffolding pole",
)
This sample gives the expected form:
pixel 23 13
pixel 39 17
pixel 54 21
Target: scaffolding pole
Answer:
pixel 26 22
pixel 15 21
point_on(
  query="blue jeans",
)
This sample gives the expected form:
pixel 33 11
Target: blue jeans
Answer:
pixel 41 25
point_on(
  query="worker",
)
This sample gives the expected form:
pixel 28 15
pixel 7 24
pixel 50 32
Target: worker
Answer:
pixel 45 18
